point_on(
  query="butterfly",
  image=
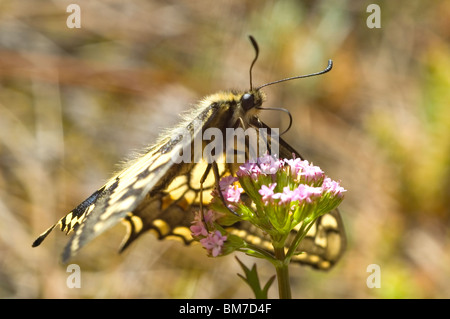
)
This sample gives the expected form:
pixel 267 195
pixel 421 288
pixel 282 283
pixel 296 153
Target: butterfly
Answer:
pixel 154 193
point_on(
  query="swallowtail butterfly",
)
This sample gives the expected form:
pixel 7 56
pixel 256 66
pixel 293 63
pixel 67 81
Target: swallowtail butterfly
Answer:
pixel 153 193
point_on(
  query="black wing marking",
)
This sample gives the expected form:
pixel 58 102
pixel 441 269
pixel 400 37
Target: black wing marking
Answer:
pixel 69 222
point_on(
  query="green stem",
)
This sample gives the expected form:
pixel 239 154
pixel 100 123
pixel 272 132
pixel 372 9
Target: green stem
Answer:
pixel 263 252
pixel 284 286
pixel 298 238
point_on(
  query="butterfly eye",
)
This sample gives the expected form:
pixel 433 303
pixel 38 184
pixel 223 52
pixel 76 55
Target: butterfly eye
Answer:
pixel 248 101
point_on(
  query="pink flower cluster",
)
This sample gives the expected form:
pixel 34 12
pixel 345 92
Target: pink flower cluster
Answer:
pixel 304 171
pixel 231 192
pixel 267 192
pixel 213 240
pixel 309 181
pixel 333 187
pixel 200 223
pixel 302 193
pixel 249 169
pixel 213 243
pixel 268 165
pixel 285 192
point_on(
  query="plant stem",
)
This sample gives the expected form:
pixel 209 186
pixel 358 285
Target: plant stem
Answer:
pixel 298 238
pixel 284 286
pixel 264 253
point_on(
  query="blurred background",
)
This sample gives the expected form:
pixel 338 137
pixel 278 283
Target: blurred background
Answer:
pixel 74 102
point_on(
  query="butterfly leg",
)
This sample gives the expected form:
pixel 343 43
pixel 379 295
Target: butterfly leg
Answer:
pixel 215 168
pixel 217 178
pixel 202 180
pixel 264 137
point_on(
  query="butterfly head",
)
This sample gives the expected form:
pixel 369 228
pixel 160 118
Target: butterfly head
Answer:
pixel 249 104
pixel 252 99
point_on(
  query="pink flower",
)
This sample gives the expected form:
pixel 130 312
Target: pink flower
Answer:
pixel 312 173
pixel 249 169
pixel 333 187
pixel 267 192
pixel 198 227
pixel 226 181
pixel 232 194
pixel 296 165
pixel 306 194
pixel 309 172
pixel 213 243
pixel 284 197
pixel 269 165
pixel 198 230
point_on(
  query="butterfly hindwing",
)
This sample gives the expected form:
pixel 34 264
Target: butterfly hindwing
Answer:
pixel 169 212
pixel 325 242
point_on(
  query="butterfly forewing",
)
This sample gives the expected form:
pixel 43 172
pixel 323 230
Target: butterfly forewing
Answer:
pixel 120 196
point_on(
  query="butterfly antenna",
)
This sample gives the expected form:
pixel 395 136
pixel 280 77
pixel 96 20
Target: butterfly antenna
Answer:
pixel 328 68
pixel 255 46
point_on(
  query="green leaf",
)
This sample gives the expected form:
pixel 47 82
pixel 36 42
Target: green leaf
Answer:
pixel 251 278
pixel 232 243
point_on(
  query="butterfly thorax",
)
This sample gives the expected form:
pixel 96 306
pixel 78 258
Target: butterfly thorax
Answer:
pixel 233 108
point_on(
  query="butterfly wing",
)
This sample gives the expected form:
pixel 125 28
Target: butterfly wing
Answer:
pixel 122 194
pixel 112 202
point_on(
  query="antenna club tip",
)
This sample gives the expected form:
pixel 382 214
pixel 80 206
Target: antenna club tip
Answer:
pixel 330 64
